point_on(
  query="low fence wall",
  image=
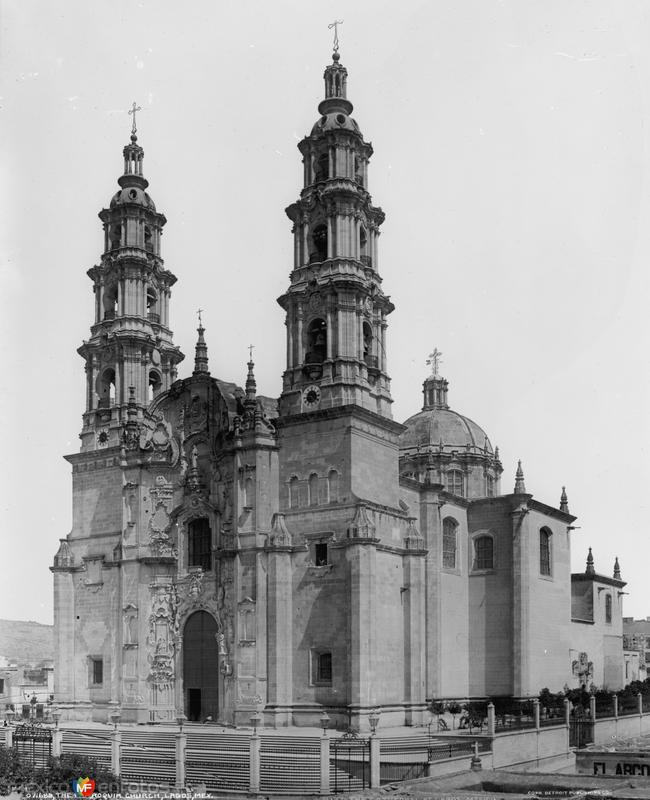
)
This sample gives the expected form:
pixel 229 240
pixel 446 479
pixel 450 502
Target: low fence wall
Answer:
pixel 539 747
pixel 620 727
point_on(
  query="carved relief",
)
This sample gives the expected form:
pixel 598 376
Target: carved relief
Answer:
pixel 163 635
pixel 129 624
pixel 160 521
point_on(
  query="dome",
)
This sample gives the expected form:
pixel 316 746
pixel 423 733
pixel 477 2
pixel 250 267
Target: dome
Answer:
pixel 335 121
pixel 132 194
pixel 432 426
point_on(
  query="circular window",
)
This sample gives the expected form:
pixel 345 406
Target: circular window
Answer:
pixel 133 194
pixel 340 118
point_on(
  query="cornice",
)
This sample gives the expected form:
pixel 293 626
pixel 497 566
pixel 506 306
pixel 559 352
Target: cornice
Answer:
pixel 349 410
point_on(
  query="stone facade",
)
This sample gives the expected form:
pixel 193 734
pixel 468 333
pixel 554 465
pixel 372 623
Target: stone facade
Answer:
pixel 232 553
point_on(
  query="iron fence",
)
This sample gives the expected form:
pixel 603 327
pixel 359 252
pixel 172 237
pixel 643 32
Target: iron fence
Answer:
pixel 581 732
pixel 349 763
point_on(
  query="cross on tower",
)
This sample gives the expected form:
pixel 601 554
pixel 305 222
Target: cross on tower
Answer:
pixel 250 351
pixel 132 111
pixel 434 361
pixel 199 312
pixel 335 25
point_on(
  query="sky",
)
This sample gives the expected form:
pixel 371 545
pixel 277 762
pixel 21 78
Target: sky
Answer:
pixel 511 160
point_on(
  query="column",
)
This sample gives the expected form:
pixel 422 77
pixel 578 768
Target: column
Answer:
pixel 330 332
pixel 254 775
pixel 375 761
pixel 362 558
pixel 520 603
pixel 305 242
pixel 299 333
pixel 57 740
pixel 325 763
pixel 181 746
pixel 414 641
pixel 280 634
pixel 536 712
pixel 490 719
pixel 64 632
pixel 296 247
pixel 330 243
pixel 116 744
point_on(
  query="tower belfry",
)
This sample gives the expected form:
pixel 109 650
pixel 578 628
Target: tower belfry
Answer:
pixel 336 309
pixel 130 354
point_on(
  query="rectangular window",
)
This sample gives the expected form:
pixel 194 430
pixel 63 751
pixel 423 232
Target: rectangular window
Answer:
pixel 199 544
pixel 483 552
pixel 321 668
pixel 96 671
pixel 2 685
pixel 608 608
pixel 324 668
pixel 320 554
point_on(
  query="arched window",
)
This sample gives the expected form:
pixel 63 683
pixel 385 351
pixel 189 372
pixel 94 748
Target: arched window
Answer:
pixel 106 388
pixel 152 306
pixel 116 236
pixel 249 493
pixel 148 240
pixel 367 345
pixel 110 301
pixel 294 492
pixel 313 489
pixel 199 544
pixel 608 608
pixel 322 168
pixel 333 486
pixel 483 553
pixel 545 551
pixel 316 342
pixel 319 241
pixel 154 384
pixel 449 542
pixel 455 482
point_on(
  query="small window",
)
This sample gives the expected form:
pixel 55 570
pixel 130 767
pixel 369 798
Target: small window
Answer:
pixel 608 608
pixel 455 482
pixel 97 671
pixel 320 554
pixel 199 544
pixel 316 342
pixel 2 685
pixel 313 489
pixel 483 552
pixel 333 486
pixel 294 492
pixel 449 543
pixel 322 668
pixel 545 552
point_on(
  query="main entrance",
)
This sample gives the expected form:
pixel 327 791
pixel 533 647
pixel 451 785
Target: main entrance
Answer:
pixel 201 667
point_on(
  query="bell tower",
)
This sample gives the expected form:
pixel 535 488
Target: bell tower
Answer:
pixel 130 356
pixel 335 307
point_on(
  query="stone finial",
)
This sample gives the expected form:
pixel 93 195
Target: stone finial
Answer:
pixel 362 527
pixel 496 453
pixel 564 501
pixel 64 556
pixel 279 536
pixel 250 400
pixel 201 354
pixel 413 539
pixel 617 569
pixel 590 564
pixel 520 486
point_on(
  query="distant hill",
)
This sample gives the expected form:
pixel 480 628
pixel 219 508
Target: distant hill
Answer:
pixel 26 642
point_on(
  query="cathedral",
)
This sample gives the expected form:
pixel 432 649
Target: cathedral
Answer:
pixel 232 553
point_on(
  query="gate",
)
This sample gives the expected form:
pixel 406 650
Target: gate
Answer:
pixel 33 743
pixel 350 762
pixel 581 732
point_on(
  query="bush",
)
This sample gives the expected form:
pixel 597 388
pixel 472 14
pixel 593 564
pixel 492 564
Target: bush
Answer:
pixel 56 777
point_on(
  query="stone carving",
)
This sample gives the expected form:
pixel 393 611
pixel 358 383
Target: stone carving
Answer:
pixel 279 536
pixel 129 622
pixel 362 527
pixel 160 522
pixel 195 585
pixel 64 556
pixel 163 635
pixel 582 668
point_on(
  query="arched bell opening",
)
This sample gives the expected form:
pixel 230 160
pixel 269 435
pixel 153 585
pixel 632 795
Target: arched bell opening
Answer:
pixel 367 345
pixel 319 244
pixel 106 389
pixel 115 238
pixel 153 314
pixel 316 349
pixel 201 668
pixel 110 298
pixel 321 168
pixel 155 385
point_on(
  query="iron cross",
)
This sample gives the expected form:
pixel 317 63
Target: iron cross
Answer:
pixel 335 25
pixel 199 312
pixel 434 361
pixel 250 351
pixel 132 111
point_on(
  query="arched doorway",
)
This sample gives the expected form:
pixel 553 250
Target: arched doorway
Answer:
pixel 201 667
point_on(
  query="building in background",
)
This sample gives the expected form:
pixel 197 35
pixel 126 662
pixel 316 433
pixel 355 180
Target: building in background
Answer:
pixel 233 553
